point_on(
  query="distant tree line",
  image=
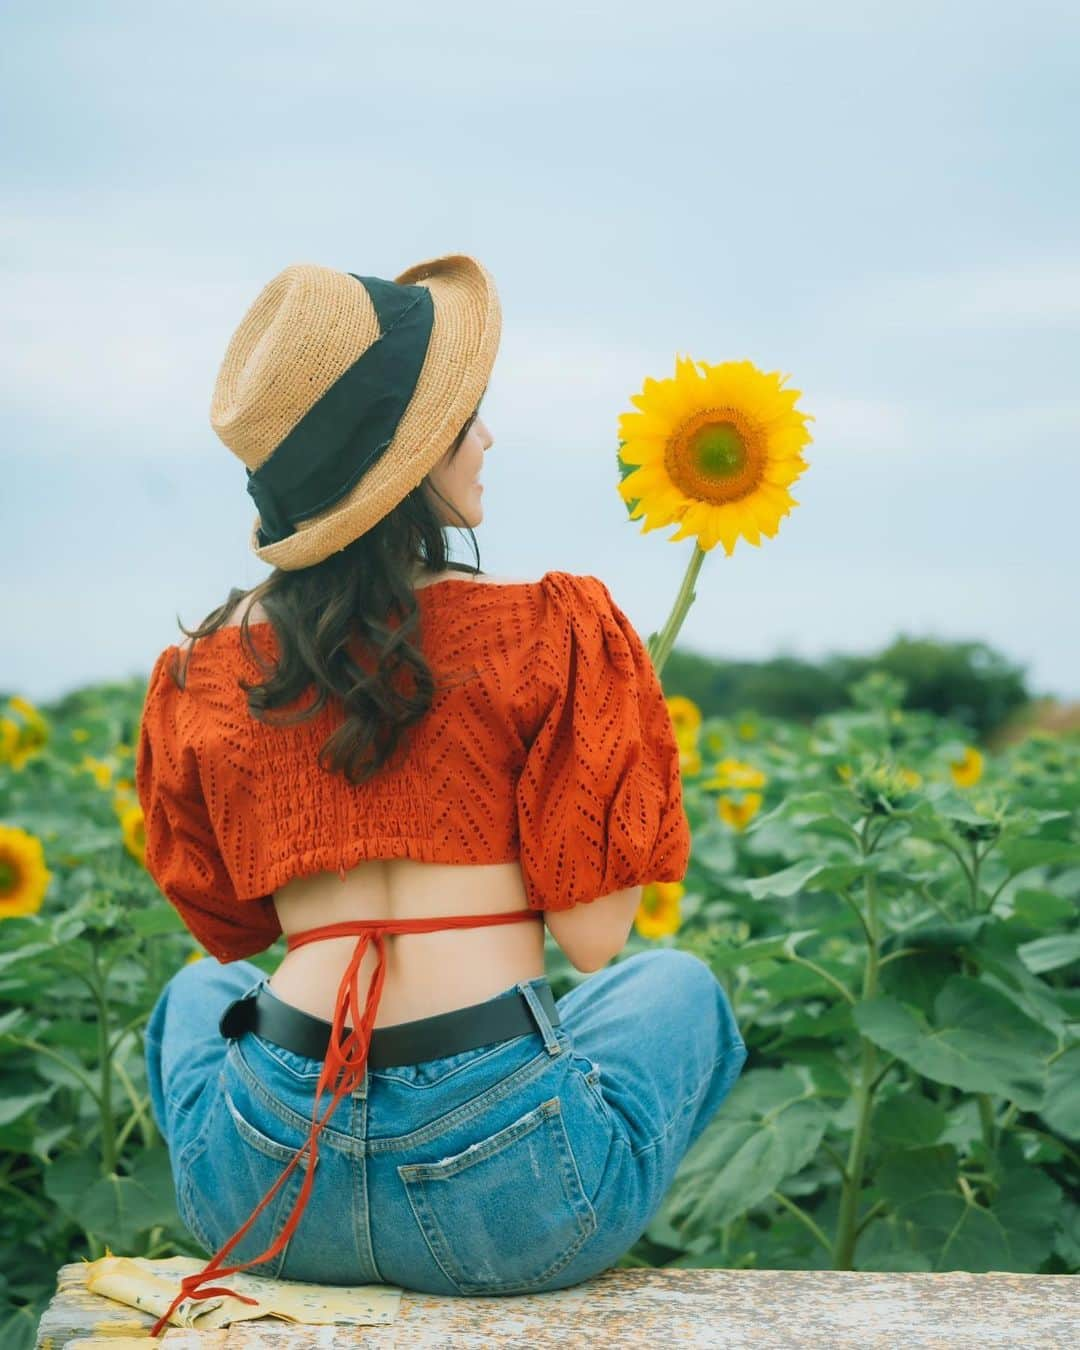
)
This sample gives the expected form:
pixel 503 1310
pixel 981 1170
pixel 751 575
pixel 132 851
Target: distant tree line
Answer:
pixel 969 681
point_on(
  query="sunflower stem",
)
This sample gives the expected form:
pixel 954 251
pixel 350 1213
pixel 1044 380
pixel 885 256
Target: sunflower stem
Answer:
pixel 660 644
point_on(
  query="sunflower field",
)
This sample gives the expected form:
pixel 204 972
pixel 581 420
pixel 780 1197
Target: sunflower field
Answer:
pixel 892 910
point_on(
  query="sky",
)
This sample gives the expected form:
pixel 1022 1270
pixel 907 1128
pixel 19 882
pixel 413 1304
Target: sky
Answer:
pixel 879 201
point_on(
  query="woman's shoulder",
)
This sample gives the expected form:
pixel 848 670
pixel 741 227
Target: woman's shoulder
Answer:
pixel 568 587
pixel 553 583
pixel 553 592
pixel 459 574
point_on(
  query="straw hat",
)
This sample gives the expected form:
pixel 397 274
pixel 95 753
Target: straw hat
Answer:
pixel 339 392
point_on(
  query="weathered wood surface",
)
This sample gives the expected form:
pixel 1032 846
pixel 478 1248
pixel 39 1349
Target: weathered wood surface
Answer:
pixel 729 1308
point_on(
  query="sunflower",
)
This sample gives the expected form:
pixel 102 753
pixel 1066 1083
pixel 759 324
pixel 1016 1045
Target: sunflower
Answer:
pixel 31 732
pixel 133 828
pixel 102 771
pixel 967 770
pixel 734 773
pixel 658 914
pixel 714 452
pixel 685 717
pixel 9 739
pixel 24 878
pixel 882 786
pixel 124 795
pixel 738 814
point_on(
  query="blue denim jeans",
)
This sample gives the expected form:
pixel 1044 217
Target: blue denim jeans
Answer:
pixel 519 1167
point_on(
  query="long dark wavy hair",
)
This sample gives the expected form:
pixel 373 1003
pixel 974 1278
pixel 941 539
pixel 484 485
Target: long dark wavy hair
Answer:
pixel 316 611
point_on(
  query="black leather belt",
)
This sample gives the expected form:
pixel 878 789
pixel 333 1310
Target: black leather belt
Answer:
pixel 498 1019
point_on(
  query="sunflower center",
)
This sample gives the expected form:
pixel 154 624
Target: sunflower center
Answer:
pixel 719 450
pixel 717 455
pixel 8 877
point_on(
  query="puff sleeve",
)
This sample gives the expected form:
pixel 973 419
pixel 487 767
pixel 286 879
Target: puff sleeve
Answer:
pixel 182 852
pixel 599 799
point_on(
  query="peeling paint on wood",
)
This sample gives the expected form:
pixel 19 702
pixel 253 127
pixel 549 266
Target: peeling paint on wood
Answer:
pixel 728 1308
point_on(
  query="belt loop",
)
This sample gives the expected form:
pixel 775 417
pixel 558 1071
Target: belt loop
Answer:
pixel 238 1017
pixel 543 1022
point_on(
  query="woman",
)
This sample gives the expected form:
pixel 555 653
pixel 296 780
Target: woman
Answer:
pixel 305 769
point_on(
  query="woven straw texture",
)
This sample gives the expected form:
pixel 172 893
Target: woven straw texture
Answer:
pixel 303 330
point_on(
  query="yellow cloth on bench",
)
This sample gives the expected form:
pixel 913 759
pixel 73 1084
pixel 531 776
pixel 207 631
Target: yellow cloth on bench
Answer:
pixel 151 1287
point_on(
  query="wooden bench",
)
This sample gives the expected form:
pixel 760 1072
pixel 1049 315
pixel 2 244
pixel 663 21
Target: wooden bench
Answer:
pixel 668 1307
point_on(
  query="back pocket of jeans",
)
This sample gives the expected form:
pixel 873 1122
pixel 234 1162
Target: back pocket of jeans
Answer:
pixel 226 1189
pixel 508 1212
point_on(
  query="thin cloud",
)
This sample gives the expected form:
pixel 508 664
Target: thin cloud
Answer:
pixel 1027 293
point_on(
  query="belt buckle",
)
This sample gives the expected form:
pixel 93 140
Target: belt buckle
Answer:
pixel 238 1017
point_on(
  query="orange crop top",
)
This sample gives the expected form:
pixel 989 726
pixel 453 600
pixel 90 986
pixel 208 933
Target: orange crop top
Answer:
pixel 557 749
